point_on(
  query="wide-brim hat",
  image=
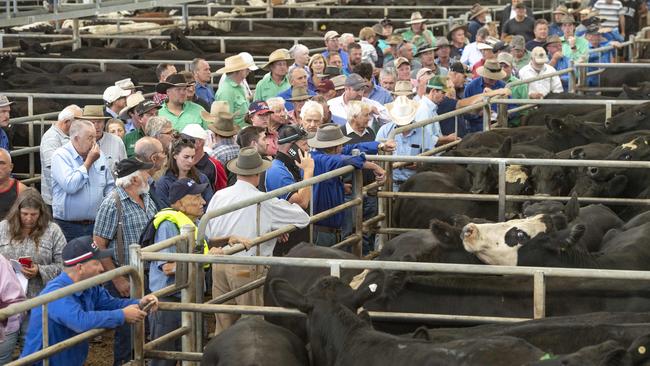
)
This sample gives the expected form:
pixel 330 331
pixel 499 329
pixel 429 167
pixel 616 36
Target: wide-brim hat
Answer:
pixel 299 95
pixel 131 102
pixel 561 9
pixel 4 101
pixel 328 135
pixel 127 84
pixel 456 27
pixel 441 42
pixel 249 162
pixel 172 81
pixel 416 18
pixel 476 10
pixel 330 71
pixel 223 125
pixel 93 112
pixel 491 70
pixel 403 87
pixel 402 110
pixel 234 63
pixel 281 54
pixel 424 49
pixel 552 39
pixel 567 19
pixel 394 39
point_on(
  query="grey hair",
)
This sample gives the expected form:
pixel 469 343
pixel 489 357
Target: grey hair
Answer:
pixel 145 148
pixel 355 108
pixel 155 126
pixel 274 102
pixel 125 182
pixel 309 106
pixel 296 48
pixel 345 37
pixel 195 64
pixel 78 125
pixel 68 113
pixel 483 32
pixel 388 71
pixel 293 71
pixel 6 152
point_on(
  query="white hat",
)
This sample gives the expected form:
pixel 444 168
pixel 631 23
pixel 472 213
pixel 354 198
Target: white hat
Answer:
pixel 249 59
pixel 416 18
pixel 113 93
pixel 196 131
pixel 402 110
pixel 331 34
pixel 483 46
pixel 422 72
pixel 539 55
pixel 126 84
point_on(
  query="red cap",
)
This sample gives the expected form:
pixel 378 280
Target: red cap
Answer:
pixel 325 86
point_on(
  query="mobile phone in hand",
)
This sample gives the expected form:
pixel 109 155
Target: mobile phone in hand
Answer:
pixel 25 261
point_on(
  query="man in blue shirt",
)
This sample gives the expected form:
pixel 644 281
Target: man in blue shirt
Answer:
pixel 332 44
pixel 553 47
pixel 5 109
pixel 374 92
pixel 81 178
pixel 82 311
pixel 202 75
pixel 596 40
pixel 489 83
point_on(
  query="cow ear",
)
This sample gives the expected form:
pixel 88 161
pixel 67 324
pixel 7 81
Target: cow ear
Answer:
pixel 617 185
pixel 370 290
pixel 442 230
pixel 555 125
pixel 505 148
pixel 575 235
pixel 572 207
pixel 421 333
pixel 578 153
pixel 287 296
pixel 460 220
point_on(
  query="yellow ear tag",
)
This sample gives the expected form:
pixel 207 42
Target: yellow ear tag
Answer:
pixel 641 350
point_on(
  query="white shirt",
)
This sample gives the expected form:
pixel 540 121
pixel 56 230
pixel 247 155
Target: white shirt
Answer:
pixel 471 55
pixel 368 52
pixel 349 130
pixel 545 86
pixel 274 214
pixel 113 149
pixel 339 111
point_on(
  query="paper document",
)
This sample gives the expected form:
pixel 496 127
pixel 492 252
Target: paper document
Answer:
pixel 21 277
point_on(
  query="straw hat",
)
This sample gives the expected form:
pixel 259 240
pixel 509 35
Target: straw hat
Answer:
pixel 131 101
pixel 416 18
pixel 172 81
pixel 4 101
pixel 403 87
pixel 216 107
pixel 402 110
pixel 491 70
pixel 567 19
pixel 476 10
pixel 561 9
pixel 93 112
pixel 235 63
pixel 401 61
pixel 394 39
pixel 328 135
pixel 299 95
pixel 553 39
pixel 281 54
pixel 127 84
pixel 339 81
pixel 249 162
pixel 454 28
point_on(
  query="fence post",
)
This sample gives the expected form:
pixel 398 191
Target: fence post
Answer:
pixel 539 295
pixel 502 191
pixel 608 110
pixel 502 115
pixel 582 78
pixel 188 295
pixel 486 114
pixel 137 291
pixel 357 186
pixel 572 77
pixel 388 206
pixel 30 139
pixel 46 333
pixel 75 35
pixel 632 48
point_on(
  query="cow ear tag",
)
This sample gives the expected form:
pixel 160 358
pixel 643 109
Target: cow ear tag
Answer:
pixel 641 350
pixel 372 287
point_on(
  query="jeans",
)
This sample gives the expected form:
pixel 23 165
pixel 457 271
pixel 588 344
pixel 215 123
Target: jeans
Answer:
pixel 122 346
pixel 161 323
pixel 324 238
pixel 72 230
pixel 7 347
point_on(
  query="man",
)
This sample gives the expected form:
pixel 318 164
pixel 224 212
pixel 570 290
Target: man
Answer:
pixel 82 311
pixel 191 90
pixel 573 47
pixel 443 53
pixel 115 99
pixel 488 53
pixel 150 150
pixel 374 92
pixel 555 29
pixel 541 34
pixel 418 32
pixel 178 109
pixel 612 14
pixel 254 137
pixel 331 39
pixel 225 148
pixel 298 79
pixel 521 24
pixel 140 111
pixel 5 109
pixel 161 129
pixel 489 83
pixel 345 41
pixel 509 13
pixel 313 114
pixel 539 66
pixel 10 187
pixel 596 40
pixel 558 60
pixel 427 109
pixel 334 60
pixel 211 167
pixel 55 137
pixel 355 87
pixel 273 214
pixel 236 71
pixel 355 53
pixel 518 51
pixel 121 218
pixel 162 72
pixel 471 54
pixel 388 78
pixel 477 18
pixel 632 10
pixel 506 61
pixel 200 68
pixel 111 146
pixel 276 81
pixel 428 60
pixel 81 178
pixel 458 40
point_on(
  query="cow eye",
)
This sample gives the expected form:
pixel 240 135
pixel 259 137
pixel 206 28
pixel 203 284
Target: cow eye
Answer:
pixel 626 156
pixel 639 113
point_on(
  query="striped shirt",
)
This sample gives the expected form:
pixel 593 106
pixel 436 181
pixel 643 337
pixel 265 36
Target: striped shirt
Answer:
pixel 609 12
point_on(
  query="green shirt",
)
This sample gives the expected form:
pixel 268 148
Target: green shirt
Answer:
pixel 519 64
pixel 235 95
pixel 130 139
pixel 191 113
pixel 422 41
pixel 580 53
pixel 267 88
pixel 518 92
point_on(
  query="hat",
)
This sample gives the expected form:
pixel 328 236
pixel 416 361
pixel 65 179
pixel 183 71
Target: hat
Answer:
pixel 476 10
pixel 552 39
pixel 235 63
pixel 437 82
pixel 220 118
pixel 259 107
pixel 379 31
pixel 491 70
pixel 146 106
pixel 183 187
pixel 499 46
pixel 339 81
pixel 4 101
pixel 328 135
pixel 416 18
pixel 454 28
pixel 93 112
pixel 129 166
pixel 325 86
pixel 441 42
pixel 483 46
pixel 400 61
pixel 248 58
pixel 290 133
pixel 394 39
pixel 506 58
pixel 385 22
pixel 131 101
pixel 518 43
pixel 299 95
pixel 172 81
pixel 538 54
pixel 281 54
pixel 195 130
pixel 458 67
pixel 249 162
pixel 423 49
pixel 402 110
pixel 329 72
pixel 127 84
pixel 113 93
pixel 567 19
pixel 422 72
pixel 356 82
pixel 403 87
pixel 561 9
pixel 331 34
pixel 82 249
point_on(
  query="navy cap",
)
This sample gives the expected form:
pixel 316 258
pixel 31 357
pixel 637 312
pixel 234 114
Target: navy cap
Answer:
pixel 82 249
pixel 457 67
pixel 289 133
pixel 259 107
pixel 183 187
pixel 128 166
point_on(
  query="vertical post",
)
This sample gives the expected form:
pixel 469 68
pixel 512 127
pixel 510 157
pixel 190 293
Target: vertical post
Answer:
pixel 357 186
pixel 186 20
pixel 30 139
pixel 486 114
pixel 502 115
pixel 311 214
pixel 102 66
pixel 137 292
pixel 335 269
pixel 539 295
pixel 582 78
pixel 631 51
pixel 388 207
pixel 572 77
pixel 222 45
pixel 188 295
pixel 75 35
pixel 502 190
pixel 269 9
pixel 608 110
pixel 46 333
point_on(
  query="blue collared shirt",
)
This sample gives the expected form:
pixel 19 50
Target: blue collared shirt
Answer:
pixel 92 308
pixel 379 94
pixel 4 140
pixel 205 92
pixel 563 64
pixel 344 58
pixel 157 278
pixel 598 57
pixel 278 176
pixel 414 143
pixel 554 29
pixel 476 86
pixel 427 109
pixel 77 192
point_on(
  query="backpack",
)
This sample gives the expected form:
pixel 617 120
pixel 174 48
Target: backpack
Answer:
pixel 148 235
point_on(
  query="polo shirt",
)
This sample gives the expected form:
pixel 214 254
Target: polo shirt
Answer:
pixel 471 55
pixel 476 86
pixel 448 126
pixel 518 92
pixel 525 60
pixel 545 86
pixel 130 139
pixel 191 113
pixel 582 47
pixel 414 143
pixel 235 95
pixel 563 64
pixel 278 176
pixel 52 139
pixel 422 40
pixel 534 43
pixel 268 88
pixel 205 92
pixel 345 58
pixel 555 29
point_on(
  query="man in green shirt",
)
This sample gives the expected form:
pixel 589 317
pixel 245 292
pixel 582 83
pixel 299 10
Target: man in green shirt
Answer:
pixel 575 48
pixel 236 70
pixel 506 62
pixel 276 81
pixel 177 109
pixel 419 35
pixel 139 111
pixel 519 53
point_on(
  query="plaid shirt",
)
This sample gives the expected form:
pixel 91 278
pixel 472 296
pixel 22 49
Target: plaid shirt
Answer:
pixel 225 152
pixel 134 222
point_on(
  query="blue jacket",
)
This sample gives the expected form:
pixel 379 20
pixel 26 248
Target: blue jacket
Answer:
pixel 74 314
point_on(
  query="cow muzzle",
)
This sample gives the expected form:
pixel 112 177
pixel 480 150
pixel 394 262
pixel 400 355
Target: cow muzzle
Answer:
pixel 469 234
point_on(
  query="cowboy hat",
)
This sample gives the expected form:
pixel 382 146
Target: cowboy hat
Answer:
pixel 416 18
pixel 395 39
pixel 402 110
pixel 561 9
pixel 172 81
pixel 456 27
pixel 403 87
pixel 4 101
pixel 328 135
pixel 223 124
pixel 216 107
pixel 299 95
pixel 476 10
pixel 567 19
pixel 131 101
pixel 249 162
pixel 441 42
pixel 281 54
pixel 491 70
pixel 329 72
pixel 234 63
pixel 127 84
pixel 93 112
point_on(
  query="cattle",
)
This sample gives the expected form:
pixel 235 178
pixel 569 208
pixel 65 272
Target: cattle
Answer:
pixel 606 353
pixel 633 118
pixel 568 132
pixel 593 151
pixel 253 341
pixel 637 179
pixel 642 91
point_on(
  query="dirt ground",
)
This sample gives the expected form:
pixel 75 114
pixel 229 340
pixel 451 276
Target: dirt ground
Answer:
pixel 101 353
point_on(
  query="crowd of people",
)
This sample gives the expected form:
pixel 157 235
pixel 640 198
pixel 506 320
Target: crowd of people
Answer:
pixel 135 165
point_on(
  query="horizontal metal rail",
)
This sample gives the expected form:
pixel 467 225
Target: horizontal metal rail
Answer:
pixel 614 66
pixel 49 351
pixel 569 101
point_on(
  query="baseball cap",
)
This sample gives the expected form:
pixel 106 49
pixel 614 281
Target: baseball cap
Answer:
pixel 184 187
pixel 483 46
pixel 290 133
pixel 331 34
pixel 82 249
pixel 506 58
pixel 457 67
pixel 128 166
pixel 400 61
pixel 424 71
pixel 195 130
pixel 260 107
pixel 437 82
pixel 325 86
pixel 538 55
pixel 113 93
pixel 356 82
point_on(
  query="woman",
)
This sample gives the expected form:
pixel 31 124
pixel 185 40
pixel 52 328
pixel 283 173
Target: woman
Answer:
pixel 316 65
pixel 458 40
pixel 181 165
pixel 29 231
pixel 116 127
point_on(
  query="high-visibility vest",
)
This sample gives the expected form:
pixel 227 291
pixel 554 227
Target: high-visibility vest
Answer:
pixel 179 219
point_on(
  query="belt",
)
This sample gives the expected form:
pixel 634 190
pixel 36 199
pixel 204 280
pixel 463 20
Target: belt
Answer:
pixel 80 222
pixel 399 182
pixel 326 229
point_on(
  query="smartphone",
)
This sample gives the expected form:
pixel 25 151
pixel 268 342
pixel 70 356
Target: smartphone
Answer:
pixel 25 261
pixel 293 152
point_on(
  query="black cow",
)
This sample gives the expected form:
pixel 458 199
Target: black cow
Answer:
pixel 253 341
pixel 606 353
pixel 593 151
pixel 568 132
pixel 638 179
pixel 642 91
pixel 633 118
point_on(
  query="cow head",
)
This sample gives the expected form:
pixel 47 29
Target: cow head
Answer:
pixel 629 120
pixel 638 350
pixel 484 176
pixel 414 246
pixel 587 187
pixel 498 243
pixel 570 210
pixel 635 150
pixel 639 93
pixel 549 180
pixel 573 132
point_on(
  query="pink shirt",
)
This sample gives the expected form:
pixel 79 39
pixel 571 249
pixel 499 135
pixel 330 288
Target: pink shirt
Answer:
pixel 10 292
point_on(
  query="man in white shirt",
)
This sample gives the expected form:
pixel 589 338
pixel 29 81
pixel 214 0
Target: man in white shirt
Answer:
pixel 355 86
pixel 471 53
pixel 111 146
pixel 539 66
pixel 274 214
